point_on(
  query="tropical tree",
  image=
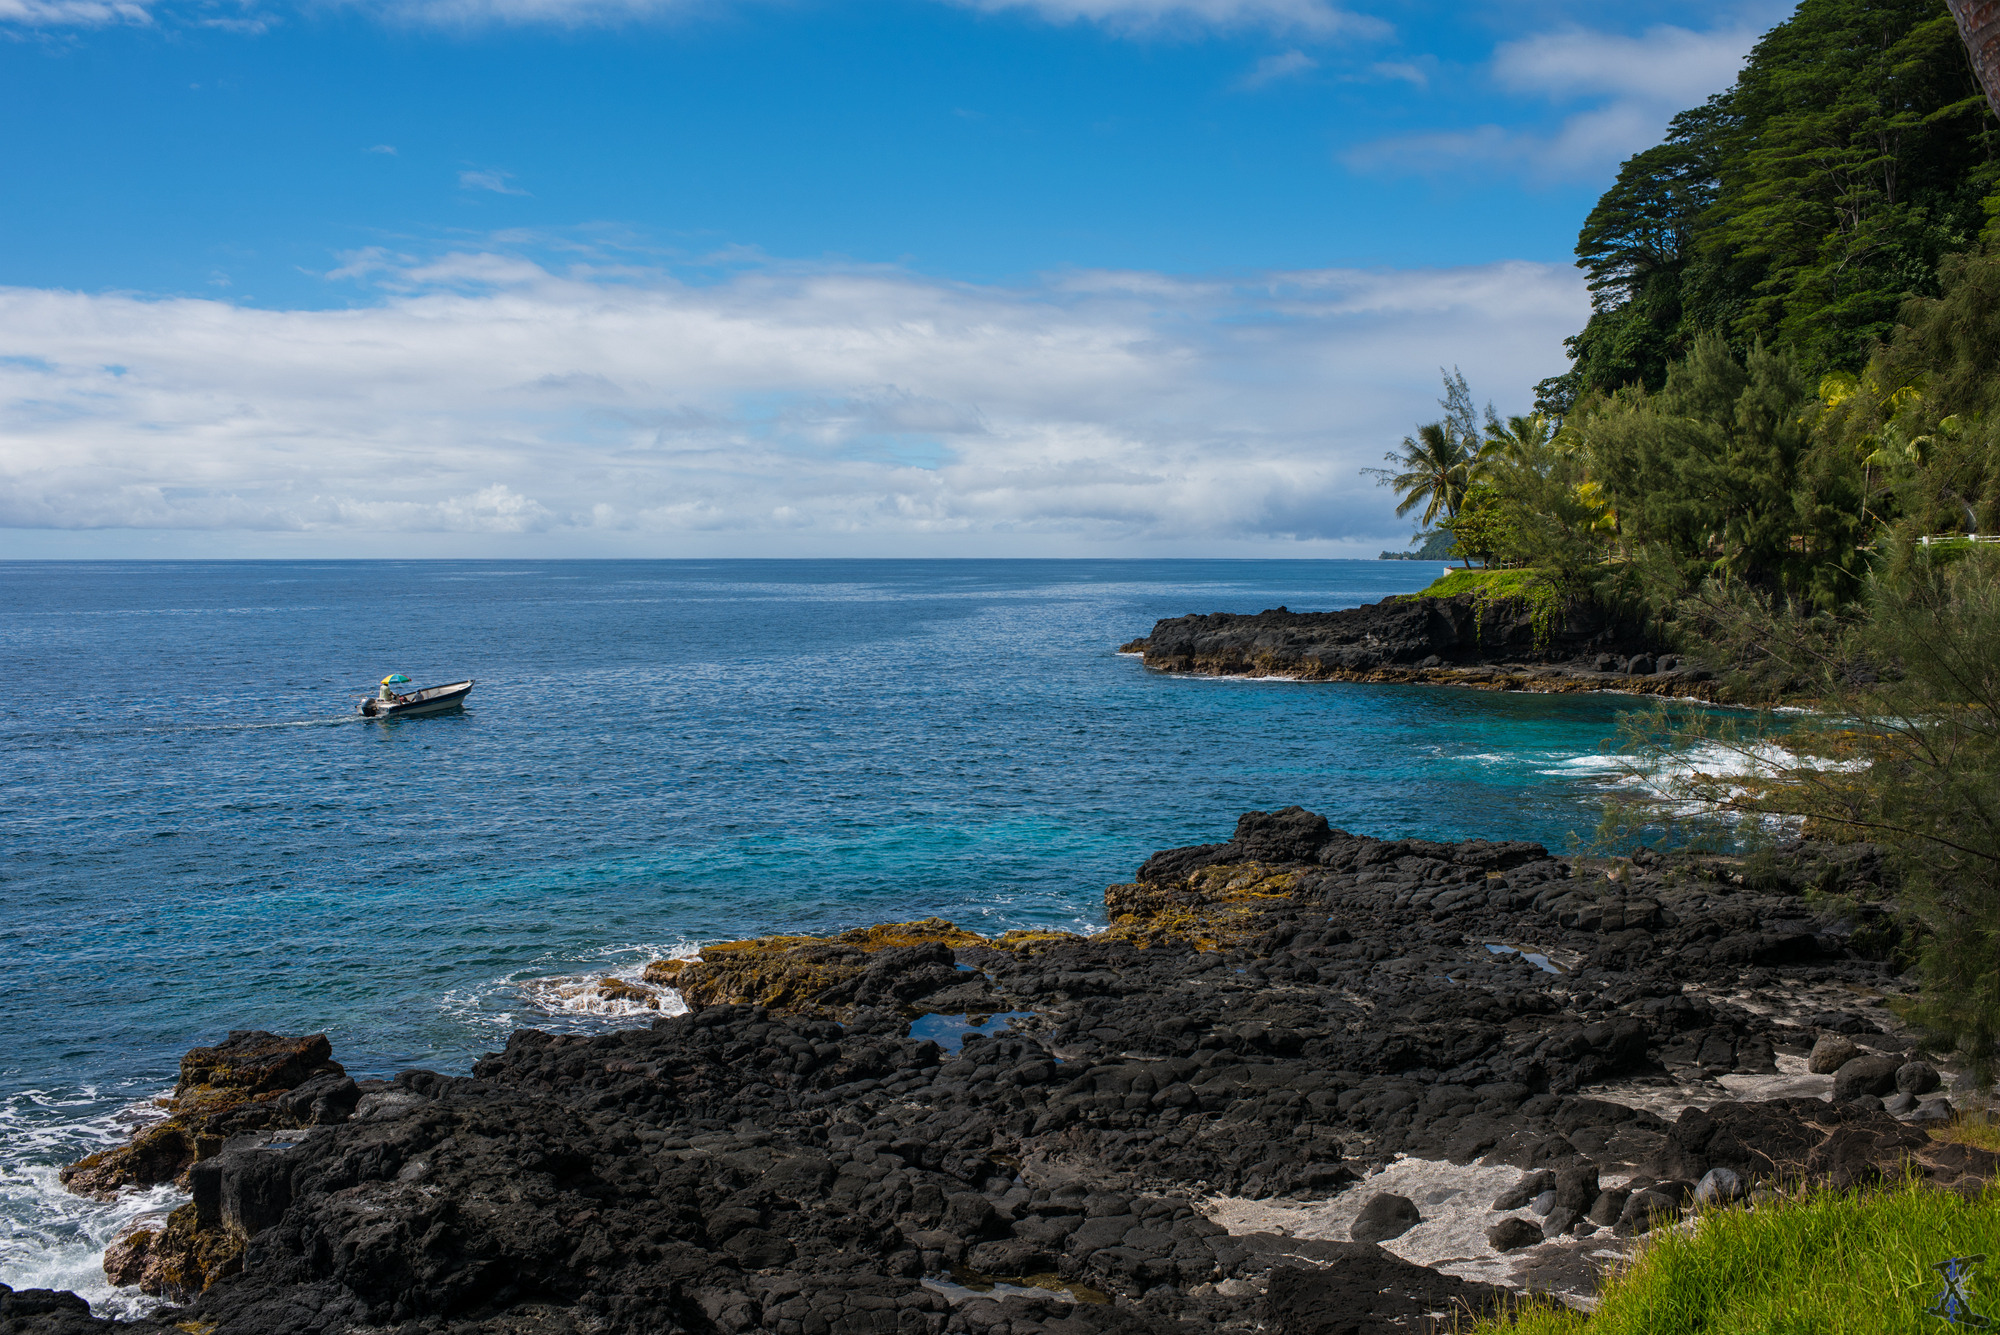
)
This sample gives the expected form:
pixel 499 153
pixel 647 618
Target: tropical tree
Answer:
pixel 1516 440
pixel 1432 469
pixel 1484 528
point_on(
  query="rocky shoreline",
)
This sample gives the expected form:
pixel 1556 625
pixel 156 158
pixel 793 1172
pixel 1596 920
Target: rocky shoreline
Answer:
pixel 1306 1082
pixel 1493 644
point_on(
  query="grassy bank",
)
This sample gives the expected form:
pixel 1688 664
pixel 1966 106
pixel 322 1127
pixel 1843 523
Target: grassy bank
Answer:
pixel 1490 583
pixel 1829 1263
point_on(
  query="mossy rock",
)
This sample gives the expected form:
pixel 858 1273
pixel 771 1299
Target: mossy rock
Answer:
pixel 617 989
pixel 1211 909
pixel 1033 940
pixel 224 1090
pixel 787 973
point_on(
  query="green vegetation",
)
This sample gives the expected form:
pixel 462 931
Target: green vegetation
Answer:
pixel 1433 468
pixel 1978 1130
pixel 1905 752
pixel 1778 446
pixel 1823 1263
pixel 1800 208
pixel 1486 583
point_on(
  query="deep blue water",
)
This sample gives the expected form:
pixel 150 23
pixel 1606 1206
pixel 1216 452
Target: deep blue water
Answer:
pixel 199 835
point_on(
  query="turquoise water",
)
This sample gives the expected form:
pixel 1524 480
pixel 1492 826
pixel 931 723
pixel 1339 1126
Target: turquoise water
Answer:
pixel 200 835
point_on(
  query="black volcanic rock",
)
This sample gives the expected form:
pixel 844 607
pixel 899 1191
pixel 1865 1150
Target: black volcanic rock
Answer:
pixel 1385 1216
pixel 1364 1290
pixel 1267 1017
pixel 1464 640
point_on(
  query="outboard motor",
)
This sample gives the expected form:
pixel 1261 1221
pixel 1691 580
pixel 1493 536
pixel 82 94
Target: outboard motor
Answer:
pixel 369 708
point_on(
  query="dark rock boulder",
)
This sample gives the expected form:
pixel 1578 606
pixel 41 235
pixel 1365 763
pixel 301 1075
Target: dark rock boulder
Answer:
pixel 1367 1291
pixel 1385 1216
pixel 1513 1233
pixel 1916 1078
pixel 1830 1053
pixel 1646 1209
pixel 1527 1189
pixel 1871 1074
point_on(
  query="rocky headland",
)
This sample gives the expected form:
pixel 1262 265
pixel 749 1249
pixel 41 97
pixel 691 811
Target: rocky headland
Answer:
pixel 1495 644
pixel 1306 1082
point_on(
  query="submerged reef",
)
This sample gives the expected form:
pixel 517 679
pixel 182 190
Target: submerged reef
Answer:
pixel 1306 1082
pixel 1495 644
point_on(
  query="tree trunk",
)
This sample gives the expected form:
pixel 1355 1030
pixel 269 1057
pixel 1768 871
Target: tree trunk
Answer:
pixel 1979 25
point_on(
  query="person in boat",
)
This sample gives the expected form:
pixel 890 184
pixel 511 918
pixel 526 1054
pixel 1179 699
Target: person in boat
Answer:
pixel 388 696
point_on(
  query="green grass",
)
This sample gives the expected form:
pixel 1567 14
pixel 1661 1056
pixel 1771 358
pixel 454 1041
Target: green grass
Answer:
pixel 1824 1263
pixel 1977 1129
pixel 1492 583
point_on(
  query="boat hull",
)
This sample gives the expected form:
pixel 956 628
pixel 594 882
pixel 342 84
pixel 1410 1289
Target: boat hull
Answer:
pixel 430 700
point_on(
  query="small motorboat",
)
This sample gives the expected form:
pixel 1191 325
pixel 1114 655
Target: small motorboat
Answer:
pixel 430 700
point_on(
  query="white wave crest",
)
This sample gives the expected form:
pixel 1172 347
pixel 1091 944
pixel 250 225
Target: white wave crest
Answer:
pixel 50 1239
pixel 618 994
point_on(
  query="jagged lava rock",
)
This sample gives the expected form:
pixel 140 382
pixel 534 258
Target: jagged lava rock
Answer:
pixel 253 1080
pixel 1464 640
pixel 1270 1016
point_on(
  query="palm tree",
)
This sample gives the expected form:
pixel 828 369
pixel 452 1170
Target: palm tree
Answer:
pixel 1518 440
pixel 1432 469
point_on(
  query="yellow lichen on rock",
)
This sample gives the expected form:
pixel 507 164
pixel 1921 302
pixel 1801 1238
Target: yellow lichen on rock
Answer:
pixel 1033 940
pixel 1211 909
pixel 661 973
pixel 179 1260
pixel 882 936
pixel 789 972
pixel 223 1089
pixel 617 989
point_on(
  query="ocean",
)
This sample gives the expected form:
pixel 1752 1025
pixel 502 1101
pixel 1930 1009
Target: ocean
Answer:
pixel 201 835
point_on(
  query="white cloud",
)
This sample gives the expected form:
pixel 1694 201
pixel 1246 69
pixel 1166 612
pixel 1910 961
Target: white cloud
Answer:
pixel 386 149
pixel 1271 69
pixel 1311 16
pixel 1403 71
pixel 1665 64
pixel 1632 85
pixel 1318 17
pixel 787 410
pixel 499 182
pixel 72 13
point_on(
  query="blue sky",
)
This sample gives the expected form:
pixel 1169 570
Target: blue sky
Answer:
pixel 647 277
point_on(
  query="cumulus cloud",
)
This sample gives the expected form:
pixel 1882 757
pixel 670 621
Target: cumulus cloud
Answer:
pixel 1629 88
pixel 788 410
